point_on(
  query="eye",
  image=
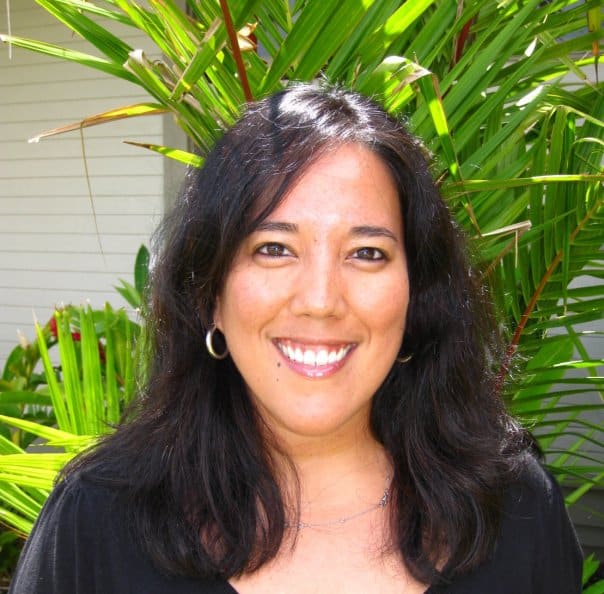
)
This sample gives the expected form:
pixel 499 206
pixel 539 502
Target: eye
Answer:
pixel 273 250
pixel 369 253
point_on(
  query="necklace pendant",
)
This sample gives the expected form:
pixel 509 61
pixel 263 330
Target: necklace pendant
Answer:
pixel 383 502
pixel 385 498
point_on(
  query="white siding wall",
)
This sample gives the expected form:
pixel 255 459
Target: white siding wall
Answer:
pixel 49 248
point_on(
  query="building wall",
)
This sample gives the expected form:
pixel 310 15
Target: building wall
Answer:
pixel 53 249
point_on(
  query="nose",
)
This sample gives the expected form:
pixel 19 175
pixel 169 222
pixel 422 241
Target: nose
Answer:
pixel 319 287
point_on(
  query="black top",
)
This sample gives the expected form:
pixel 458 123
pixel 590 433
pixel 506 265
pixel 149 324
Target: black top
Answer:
pixel 78 546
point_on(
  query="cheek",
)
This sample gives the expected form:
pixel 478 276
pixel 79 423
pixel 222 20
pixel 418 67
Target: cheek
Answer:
pixel 385 306
pixel 247 298
pixel 400 304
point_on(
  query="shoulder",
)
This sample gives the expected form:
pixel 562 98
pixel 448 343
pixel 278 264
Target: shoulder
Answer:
pixel 77 510
pixel 537 539
pixel 531 475
pixel 537 551
pixel 74 519
pixel 537 501
pixel 534 497
pixel 82 544
pixel 531 483
pixel 78 496
pixel 69 509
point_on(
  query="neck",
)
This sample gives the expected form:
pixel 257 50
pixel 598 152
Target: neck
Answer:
pixel 335 476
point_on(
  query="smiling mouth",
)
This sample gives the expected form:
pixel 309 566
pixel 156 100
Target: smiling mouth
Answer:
pixel 316 360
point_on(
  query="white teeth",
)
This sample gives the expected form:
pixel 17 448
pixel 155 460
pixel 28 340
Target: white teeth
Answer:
pixel 311 357
pixel 322 357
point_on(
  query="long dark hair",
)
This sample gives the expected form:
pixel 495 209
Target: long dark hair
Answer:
pixel 191 463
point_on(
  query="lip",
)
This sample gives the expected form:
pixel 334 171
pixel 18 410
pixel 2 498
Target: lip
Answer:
pixel 314 359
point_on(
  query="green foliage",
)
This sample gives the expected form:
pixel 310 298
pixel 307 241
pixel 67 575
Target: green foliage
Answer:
pixel 517 151
pixel 592 585
pixel 48 415
pixel 95 348
pixel 134 294
pixel 22 391
pixel 62 409
pixel 10 548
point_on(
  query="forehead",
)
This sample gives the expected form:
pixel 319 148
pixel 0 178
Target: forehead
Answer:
pixel 346 184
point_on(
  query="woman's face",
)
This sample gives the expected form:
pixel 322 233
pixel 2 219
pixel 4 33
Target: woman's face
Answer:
pixel 313 308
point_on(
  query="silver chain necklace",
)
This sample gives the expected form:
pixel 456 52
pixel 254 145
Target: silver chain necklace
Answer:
pixel 383 502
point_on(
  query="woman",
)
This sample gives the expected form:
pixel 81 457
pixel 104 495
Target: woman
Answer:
pixel 320 413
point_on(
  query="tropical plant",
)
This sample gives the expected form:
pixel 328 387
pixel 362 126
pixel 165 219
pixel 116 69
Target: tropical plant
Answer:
pixel 22 386
pixel 87 392
pixel 591 583
pixel 24 389
pixel 517 147
pixel 74 383
pixel 135 294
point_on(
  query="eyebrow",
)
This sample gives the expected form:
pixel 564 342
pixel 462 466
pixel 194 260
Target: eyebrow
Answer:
pixel 359 231
pixel 373 231
pixel 277 226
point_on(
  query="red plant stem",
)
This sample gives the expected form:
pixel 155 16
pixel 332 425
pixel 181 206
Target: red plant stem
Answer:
pixel 535 297
pixel 461 40
pixel 228 21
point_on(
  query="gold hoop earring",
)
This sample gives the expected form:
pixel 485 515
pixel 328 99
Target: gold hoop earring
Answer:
pixel 405 359
pixel 210 346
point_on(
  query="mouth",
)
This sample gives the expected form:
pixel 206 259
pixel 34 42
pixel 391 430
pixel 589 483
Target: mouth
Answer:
pixel 314 360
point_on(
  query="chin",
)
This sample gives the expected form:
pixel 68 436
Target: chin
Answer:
pixel 324 426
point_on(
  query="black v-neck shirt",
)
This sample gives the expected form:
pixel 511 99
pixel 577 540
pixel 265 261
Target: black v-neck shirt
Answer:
pixel 79 546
